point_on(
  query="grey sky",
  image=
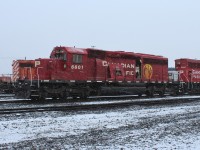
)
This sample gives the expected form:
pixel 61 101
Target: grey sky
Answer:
pixel 164 27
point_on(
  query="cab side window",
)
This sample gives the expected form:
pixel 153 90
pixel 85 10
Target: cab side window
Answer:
pixel 77 58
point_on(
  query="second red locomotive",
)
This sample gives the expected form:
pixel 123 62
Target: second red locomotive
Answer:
pixel 189 75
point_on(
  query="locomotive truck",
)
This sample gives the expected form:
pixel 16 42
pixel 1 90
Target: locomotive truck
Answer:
pixel 82 72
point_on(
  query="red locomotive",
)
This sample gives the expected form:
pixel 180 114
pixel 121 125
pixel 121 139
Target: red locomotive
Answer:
pixel 79 72
pixel 76 72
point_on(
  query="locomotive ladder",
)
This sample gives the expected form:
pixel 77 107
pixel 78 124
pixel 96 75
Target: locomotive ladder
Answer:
pixel 34 93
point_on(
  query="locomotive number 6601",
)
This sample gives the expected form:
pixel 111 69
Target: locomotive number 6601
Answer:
pixel 77 67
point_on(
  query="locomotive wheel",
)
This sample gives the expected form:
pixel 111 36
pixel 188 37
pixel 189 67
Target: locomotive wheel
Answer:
pixel 85 94
pixel 64 96
pixel 74 97
pixel 149 94
pixel 161 93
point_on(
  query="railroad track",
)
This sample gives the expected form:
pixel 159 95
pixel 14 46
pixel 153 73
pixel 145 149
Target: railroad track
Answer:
pixel 98 104
pixel 6 95
pixel 93 98
pixel 9 98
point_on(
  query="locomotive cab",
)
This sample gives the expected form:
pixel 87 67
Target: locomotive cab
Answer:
pixel 70 64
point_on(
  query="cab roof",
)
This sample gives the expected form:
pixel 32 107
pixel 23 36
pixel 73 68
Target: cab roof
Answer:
pixel 71 50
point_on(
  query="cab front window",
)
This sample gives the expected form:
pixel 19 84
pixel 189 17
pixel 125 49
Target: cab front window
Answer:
pixel 60 54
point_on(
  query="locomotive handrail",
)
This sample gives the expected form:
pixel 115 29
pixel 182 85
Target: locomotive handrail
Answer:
pixel 38 76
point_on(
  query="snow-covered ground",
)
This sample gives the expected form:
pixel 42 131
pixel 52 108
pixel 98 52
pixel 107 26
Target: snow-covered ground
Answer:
pixel 135 127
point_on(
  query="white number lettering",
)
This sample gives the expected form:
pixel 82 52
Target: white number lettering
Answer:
pixel 79 67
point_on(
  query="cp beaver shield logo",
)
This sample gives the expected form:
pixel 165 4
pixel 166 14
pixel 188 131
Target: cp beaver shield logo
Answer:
pixel 147 71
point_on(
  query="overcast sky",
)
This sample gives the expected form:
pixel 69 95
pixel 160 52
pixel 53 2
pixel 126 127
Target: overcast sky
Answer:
pixel 31 28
